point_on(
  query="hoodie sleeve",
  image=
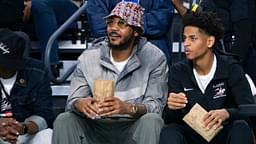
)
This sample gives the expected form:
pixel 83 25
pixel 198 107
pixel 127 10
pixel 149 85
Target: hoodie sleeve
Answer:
pixel 176 87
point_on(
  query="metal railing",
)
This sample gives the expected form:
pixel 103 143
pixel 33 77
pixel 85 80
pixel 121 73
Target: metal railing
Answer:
pixel 52 39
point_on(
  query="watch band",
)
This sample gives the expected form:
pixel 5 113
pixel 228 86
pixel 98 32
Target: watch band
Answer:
pixel 24 129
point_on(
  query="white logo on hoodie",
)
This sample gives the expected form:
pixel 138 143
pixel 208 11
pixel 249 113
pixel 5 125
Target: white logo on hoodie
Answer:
pixel 4 48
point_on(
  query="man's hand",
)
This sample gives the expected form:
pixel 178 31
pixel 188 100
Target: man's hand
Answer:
pixel 9 129
pixel 214 118
pixel 27 10
pixel 177 101
pixel 113 105
pixel 88 106
pixel 178 4
pixel 3 128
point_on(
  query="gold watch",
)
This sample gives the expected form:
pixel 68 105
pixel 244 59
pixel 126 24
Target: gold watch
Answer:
pixel 134 109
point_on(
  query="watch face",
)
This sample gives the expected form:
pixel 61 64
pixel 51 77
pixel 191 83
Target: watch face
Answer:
pixel 134 109
pixel 24 129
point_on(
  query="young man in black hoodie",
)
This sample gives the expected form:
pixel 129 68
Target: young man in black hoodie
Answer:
pixel 213 80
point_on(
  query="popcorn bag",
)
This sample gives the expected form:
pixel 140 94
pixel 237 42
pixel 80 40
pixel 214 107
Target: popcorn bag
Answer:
pixel 103 89
pixel 195 120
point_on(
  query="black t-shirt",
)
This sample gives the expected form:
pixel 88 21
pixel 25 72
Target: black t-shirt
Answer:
pixel 11 12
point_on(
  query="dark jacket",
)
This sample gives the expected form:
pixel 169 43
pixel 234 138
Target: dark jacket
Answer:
pixel 238 17
pixel 31 93
pixel 157 20
pixel 11 12
pixel 228 89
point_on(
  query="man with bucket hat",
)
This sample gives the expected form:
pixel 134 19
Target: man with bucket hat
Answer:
pixel 139 72
pixel 25 94
pixel 157 20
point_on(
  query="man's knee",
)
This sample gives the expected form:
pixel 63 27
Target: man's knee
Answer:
pixel 151 119
pixel 66 118
pixel 241 126
pixel 173 132
pixel 240 132
pixel 44 133
pixel 42 137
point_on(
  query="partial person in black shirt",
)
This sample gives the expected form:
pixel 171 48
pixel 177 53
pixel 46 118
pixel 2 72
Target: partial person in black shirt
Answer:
pixel 11 12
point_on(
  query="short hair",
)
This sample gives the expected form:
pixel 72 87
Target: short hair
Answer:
pixel 206 21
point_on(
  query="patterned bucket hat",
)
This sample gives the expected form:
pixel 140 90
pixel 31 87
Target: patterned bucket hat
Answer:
pixel 130 12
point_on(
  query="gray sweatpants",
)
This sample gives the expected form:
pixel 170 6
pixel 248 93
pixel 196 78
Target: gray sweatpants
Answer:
pixel 70 128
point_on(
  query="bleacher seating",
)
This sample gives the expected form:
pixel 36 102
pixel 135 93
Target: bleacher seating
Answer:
pixel 76 39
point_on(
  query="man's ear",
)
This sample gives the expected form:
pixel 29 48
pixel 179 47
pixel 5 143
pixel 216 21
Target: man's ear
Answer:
pixel 136 33
pixel 210 41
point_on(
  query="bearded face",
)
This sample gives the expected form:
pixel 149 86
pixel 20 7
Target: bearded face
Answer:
pixel 121 36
